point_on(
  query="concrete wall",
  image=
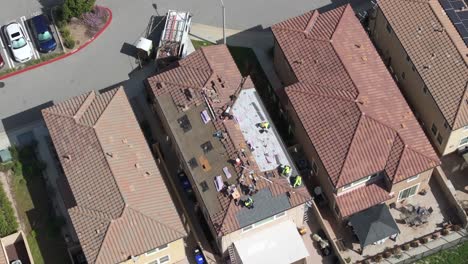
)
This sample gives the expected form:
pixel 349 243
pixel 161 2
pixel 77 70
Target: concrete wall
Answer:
pixel 449 194
pixel 296 215
pixel 13 238
pixel 175 251
pixel 412 87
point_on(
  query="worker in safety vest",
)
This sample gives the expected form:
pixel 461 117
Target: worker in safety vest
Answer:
pixel 249 203
pixel 265 125
pixel 286 170
pixel 297 181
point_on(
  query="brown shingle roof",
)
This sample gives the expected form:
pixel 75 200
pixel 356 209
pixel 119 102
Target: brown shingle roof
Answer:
pixel 347 101
pixel 438 58
pixel 113 177
pixel 362 198
pixel 207 68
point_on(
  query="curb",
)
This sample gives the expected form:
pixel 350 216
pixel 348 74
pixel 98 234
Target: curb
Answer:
pixel 109 20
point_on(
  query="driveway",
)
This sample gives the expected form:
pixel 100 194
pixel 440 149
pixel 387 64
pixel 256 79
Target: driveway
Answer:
pixel 102 64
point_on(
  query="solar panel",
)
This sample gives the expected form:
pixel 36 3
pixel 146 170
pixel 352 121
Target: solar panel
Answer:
pixel 463 15
pixel 445 4
pixel 466 41
pixel 462 30
pixel 458 5
pixel 465 23
pixel 453 16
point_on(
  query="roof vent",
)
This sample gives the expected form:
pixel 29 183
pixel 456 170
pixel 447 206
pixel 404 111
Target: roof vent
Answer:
pixel 160 85
pixel 433 55
pixel 147 173
pixel 358 46
pixel 364 58
pixel 402 125
pixel 315 61
pixel 137 165
pixel 298 61
pixel 420 29
pixel 98 232
pixel 426 67
pixel 124 141
pixel 109 154
pixel 67 157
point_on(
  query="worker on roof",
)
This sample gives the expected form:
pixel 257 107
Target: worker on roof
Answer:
pixel 286 170
pixel 297 181
pixel 249 203
pixel 265 125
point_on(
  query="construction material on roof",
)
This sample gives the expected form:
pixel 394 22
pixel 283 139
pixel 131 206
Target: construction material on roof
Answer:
pixel 280 243
pixel 174 38
pixel 373 225
pixel 268 149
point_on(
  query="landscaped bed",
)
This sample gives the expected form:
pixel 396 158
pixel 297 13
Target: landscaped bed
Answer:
pixel 35 211
pixel 455 255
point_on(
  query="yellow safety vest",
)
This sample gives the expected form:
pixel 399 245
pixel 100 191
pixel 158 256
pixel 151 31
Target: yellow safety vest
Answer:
pixel 298 181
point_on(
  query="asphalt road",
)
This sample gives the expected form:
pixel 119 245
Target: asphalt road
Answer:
pixel 102 64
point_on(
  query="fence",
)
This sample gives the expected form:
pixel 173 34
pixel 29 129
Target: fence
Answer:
pixel 412 255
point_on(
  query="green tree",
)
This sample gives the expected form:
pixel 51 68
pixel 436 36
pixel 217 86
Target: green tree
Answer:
pixel 75 8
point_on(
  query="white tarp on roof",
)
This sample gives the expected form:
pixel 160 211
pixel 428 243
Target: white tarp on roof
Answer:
pixel 279 244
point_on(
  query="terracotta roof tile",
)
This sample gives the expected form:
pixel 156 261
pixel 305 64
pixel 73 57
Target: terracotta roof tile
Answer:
pixel 441 63
pixel 113 177
pixel 348 102
pixel 361 198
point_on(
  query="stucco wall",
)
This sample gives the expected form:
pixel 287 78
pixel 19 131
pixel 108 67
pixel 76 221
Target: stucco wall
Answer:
pixel 412 87
pixel 296 215
pixel 422 180
pixel 175 251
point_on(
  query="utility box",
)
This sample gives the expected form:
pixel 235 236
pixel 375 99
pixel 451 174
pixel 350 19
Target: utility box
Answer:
pixel 144 48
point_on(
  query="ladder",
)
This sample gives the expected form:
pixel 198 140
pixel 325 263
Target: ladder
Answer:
pixel 232 254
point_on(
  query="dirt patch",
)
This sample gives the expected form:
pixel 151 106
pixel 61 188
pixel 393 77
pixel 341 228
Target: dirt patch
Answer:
pixel 78 31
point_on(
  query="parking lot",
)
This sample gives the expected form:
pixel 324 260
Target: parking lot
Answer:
pixel 25 23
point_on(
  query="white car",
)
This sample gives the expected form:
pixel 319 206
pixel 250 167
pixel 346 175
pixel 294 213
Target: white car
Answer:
pixel 19 45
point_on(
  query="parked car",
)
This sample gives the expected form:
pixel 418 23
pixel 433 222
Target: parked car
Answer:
pixel 186 185
pixel 42 34
pixel 2 63
pixel 17 42
pixel 199 257
pixel 16 262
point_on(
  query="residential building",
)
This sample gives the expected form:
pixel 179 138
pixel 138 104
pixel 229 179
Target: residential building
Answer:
pixel 424 43
pixel 363 143
pixel 212 115
pixel 117 200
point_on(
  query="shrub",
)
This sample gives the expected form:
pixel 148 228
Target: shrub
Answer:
pixel 378 258
pixel 435 235
pixel 347 260
pixel 396 250
pixel 445 232
pixel 64 32
pixel 387 254
pixel 414 243
pixel 69 43
pixel 8 223
pixel 405 247
pixel 75 8
pixel 456 228
pixel 424 240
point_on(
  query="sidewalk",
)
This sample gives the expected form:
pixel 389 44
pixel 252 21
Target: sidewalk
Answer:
pixel 259 40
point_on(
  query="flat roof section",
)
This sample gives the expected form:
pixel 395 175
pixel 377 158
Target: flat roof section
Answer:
pixel 204 165
pixel 268 149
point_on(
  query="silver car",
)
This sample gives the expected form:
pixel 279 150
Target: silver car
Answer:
pixel 17 42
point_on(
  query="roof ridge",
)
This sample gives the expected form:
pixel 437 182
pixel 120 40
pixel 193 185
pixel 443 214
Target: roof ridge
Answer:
pixel 347 7
pixel 130 207
pixel 294 89
pixel 460 105
pixel 117 90
pixel 349 148
pixel 312 21
pixel 84 106
pixel 78 208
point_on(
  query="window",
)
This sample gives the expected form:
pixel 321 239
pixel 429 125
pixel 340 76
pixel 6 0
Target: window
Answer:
pixel 314 167
pixel 410 179
pixel 361 181
pixel 434 129
pixel 389 28
pixel 155 250
pixel 464 141
pixel 440 139
pixel 406 193
pixel 164 259
pixel 264 221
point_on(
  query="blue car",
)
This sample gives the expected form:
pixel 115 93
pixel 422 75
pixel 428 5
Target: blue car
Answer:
pixel 42 34
pixel 199 257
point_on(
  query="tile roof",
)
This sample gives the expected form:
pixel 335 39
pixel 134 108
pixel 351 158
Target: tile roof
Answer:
pixel 440 56
pixel 347 101
pixel 362 198
pixel 212 72
pixel 123 207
